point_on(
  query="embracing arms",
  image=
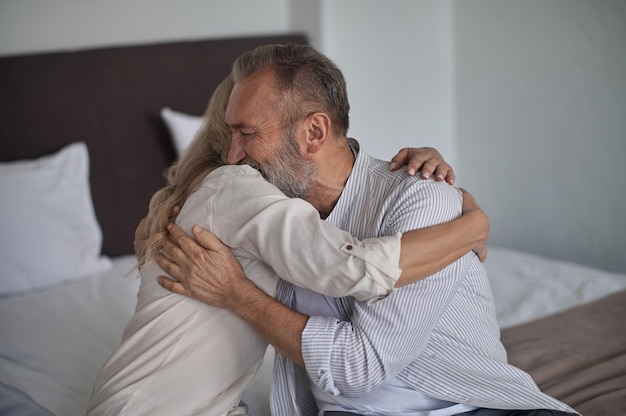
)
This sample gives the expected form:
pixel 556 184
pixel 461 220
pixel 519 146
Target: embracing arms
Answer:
pixel 212 275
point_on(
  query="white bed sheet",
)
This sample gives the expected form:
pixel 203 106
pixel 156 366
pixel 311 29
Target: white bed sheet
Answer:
pixel 53 343
pixel 528 287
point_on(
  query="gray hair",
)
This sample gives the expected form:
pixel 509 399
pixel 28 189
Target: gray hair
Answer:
pixel 306 80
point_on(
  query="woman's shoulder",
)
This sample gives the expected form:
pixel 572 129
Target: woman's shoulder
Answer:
pixel 234 170
pixel 231 174
pixel 242 178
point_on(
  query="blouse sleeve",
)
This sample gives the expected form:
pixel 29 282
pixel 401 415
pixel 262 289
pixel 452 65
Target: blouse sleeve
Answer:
pixel 257 221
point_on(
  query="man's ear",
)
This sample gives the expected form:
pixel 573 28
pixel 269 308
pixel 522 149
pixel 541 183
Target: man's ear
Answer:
pixel 318 130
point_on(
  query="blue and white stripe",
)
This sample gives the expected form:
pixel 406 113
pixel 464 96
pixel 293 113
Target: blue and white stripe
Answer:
pixel 438 336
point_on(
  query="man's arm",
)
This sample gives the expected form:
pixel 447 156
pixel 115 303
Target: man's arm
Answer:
pixel 211 274
pixel 355 357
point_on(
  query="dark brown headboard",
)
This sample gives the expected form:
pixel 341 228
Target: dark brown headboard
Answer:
pixel 110 98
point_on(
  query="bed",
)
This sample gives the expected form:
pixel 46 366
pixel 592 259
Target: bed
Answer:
pixel 85 138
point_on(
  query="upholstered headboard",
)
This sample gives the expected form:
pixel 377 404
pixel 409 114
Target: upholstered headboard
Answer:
pixel 110 98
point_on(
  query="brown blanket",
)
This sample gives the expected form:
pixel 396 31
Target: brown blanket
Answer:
pixel 578 355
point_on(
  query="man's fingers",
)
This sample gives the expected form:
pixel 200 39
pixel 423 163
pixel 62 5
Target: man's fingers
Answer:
pixel 174 212
pixel 176 233
pixel 188 246
pixel 169 266
pixel 172 250
pixel 206 238
pixel 172 286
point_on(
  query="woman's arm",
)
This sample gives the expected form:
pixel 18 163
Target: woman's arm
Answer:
pixel 258 222
pixel 427 160
pixel 423 252
pixel 428 250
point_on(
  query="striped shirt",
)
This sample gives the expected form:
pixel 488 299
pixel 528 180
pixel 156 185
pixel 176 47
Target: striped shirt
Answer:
pixel 438 336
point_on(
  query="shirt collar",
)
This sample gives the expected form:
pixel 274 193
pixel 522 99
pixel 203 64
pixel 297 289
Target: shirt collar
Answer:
pixel 339 214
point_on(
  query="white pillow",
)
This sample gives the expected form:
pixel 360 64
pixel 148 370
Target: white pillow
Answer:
pixel 183 127
pixel 50 234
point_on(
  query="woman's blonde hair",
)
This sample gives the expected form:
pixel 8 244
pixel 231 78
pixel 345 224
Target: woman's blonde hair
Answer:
pixel 207 151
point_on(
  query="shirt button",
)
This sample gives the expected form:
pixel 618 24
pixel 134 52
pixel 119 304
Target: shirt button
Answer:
pixel 349 247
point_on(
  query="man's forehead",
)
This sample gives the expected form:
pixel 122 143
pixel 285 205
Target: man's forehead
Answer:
pixel 248 98
pixel 236 106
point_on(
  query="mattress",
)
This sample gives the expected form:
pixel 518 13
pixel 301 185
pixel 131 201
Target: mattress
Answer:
pixel 53 342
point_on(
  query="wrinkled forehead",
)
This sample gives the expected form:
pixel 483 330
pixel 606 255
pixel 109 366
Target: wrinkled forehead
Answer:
pixel 250 97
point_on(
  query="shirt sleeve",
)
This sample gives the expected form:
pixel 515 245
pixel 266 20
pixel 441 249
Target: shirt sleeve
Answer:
pixel 258 221
pixel 355 356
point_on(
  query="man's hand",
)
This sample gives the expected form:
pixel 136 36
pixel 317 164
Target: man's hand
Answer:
pixel 470 205
pixel 204 270
pixel 210 273
pixel 427 160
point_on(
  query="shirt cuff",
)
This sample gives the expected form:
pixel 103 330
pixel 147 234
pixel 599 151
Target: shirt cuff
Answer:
pixel 377 255
pixel 317 340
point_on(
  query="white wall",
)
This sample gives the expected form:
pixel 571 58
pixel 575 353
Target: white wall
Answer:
pixel 541 122
pixel 305 17
pixel 397 59
pixel 35 26
pixel 527 98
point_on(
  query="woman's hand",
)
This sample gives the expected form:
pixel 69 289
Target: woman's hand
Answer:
pixel 470 206
pixel 427 160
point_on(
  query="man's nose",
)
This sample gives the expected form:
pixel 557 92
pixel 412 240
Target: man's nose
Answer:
pixel 236 152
